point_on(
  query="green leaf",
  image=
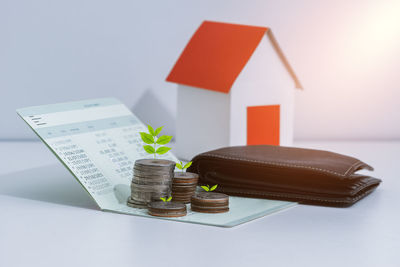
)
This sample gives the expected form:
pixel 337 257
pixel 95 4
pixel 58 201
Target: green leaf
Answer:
pixel 163 199
pixel 163 150
pixel 213 188
pixel 151 130
pixel 147 138
pixel 169 199
pixel 149 149
pixel 158 130
pixel 187 165
pixel 179 166
pixel 164 139
pixel 205 188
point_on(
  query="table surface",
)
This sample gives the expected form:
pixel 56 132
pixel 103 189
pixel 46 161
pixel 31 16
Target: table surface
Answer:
pixel 51 221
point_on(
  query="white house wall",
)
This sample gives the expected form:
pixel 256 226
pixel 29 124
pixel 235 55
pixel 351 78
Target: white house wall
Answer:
pixel 263 81
pixel 202 121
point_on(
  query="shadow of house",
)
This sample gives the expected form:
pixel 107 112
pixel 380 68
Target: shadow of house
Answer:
pixel 150 110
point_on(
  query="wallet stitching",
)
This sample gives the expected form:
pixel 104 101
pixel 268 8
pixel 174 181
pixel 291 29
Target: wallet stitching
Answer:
pixel 352 166
pixel 302 197
pixel 282 164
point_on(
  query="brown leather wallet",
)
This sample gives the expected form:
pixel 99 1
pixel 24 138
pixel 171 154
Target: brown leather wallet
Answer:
pixel 302 175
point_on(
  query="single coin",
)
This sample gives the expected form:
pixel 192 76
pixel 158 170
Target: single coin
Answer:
pixel 183 191
pixel 155 186
pixel 150 182
pixel 184 185
pixel 152 174
pixel 179 193
pixel 146 196
pixel 188 198
pixel 136 204
pixel 155 162
pixel 141 197
pixel 157 171
pixel 160 187
pixel 152 177
pixel 185 178
pixel 166 206
pixel 181 199
pixel 209 209
pixel 186 175
pixel 210 197
pixel 176 196
pixel 167 209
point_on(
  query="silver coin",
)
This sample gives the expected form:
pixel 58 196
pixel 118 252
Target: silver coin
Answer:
pixel 145 198
pixel 155 162
pixel 148 198
pixel 183 187
pixel 211 196
pixel 140 195
pixel 166 206
pixel 150 187
pixel 153 168
pixel 209 209
pixel 186 175
pixel 150 182
pixel 136 204
pixel 153 177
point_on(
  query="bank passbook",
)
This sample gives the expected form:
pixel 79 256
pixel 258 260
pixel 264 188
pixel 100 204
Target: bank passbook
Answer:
pixel 98 141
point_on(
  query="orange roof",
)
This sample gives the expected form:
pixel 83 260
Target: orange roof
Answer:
pixel 217 53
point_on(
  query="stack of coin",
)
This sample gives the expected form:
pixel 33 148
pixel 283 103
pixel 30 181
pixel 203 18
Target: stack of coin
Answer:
pixel 210 202
pixel 152 179
pixel 184 186
pixel 167 209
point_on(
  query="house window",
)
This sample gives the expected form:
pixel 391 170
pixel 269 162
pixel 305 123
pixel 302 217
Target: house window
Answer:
pixel 263 125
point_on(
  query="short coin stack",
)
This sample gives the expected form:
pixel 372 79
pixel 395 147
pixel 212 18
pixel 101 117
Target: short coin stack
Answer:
pixel 210 202
pixel 184 186
pixel 152 179
pixel 167 209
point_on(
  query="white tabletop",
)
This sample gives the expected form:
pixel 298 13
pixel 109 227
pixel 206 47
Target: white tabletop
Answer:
pixel 51 221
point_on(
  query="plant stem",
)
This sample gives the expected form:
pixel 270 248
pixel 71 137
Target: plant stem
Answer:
pixel 155 149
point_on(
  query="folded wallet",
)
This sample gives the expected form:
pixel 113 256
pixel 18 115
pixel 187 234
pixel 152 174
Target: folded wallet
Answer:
pixel 306 176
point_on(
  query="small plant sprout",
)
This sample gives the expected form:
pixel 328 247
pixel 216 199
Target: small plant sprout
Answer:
pixel 183 167
pixel 208 189
pixel 164 199
pixel 155 144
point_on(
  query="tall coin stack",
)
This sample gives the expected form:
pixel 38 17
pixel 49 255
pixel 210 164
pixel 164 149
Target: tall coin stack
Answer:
pixel 184 186
pixel 151 180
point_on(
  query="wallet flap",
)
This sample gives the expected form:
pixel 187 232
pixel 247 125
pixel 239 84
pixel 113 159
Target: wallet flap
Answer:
pixel 321 161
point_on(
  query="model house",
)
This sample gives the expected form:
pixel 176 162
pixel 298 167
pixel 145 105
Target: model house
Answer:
pixel 235 87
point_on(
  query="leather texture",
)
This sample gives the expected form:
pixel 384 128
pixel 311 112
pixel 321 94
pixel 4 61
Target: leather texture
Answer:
pixel 302 175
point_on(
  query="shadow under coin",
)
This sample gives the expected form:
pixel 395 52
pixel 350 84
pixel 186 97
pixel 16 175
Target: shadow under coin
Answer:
pixel 52 183
pixel 122 192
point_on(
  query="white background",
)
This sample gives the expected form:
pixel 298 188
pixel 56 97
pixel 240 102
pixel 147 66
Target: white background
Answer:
pixel 346 54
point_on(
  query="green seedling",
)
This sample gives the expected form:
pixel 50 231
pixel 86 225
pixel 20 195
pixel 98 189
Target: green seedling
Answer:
pixel 164 199
pixel 183 167
pixel 208 189
pixel 155 144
